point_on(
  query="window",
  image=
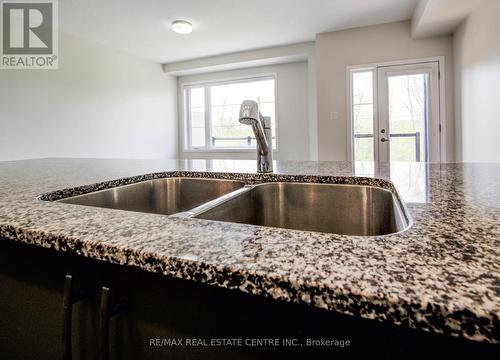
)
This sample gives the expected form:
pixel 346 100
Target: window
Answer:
pixel 212 109
pixel 362 115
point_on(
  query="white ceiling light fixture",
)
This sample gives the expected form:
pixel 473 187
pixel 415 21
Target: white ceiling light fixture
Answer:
pixel 182 27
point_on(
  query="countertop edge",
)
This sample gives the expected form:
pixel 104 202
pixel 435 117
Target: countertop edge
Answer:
pixel 331 299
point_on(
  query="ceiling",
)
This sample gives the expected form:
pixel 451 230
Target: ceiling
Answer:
pixel 440 17
pixel 220 26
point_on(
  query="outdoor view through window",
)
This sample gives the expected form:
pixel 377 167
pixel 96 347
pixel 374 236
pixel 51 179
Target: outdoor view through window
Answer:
pixel 407 113
pixel 362 115
pixel 212 112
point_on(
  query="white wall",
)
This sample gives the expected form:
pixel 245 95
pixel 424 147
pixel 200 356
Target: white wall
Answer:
pixel 99 103
pixel 477 76
pixel 292 106
pixel 381 43
pixel 312 105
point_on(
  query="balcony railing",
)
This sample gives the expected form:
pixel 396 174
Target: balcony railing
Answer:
pixel 248 139
pixel 415 135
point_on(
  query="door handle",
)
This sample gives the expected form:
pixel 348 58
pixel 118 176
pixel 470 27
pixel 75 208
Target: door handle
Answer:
pixel 384 139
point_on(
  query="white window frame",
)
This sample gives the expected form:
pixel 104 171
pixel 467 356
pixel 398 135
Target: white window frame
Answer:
pixel 186 121
pixel 373 67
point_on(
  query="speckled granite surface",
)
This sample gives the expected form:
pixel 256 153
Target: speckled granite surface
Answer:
pixel 441 275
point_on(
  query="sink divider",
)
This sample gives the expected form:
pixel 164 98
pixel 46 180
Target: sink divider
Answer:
pixel 213 203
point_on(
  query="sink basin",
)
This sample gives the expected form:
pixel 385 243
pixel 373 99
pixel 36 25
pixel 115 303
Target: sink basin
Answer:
pixel 160 196
pixel 331 208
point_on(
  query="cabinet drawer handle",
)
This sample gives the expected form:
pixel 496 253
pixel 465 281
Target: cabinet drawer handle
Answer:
pixel 106 312
pixel 69 298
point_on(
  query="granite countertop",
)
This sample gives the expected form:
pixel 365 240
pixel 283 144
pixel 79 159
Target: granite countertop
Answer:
pixel 441 275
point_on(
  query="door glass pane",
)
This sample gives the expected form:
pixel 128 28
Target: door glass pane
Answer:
pixel 362 115
pixel 407 117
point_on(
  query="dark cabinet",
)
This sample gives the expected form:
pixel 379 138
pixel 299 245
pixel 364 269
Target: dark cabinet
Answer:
pixel 158 317
pixel 31 296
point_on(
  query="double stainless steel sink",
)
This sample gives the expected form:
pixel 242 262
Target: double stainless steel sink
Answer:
pixel 331 208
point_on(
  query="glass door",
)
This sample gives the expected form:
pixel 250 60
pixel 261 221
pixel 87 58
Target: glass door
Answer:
pixel 394 114
pixel 408 113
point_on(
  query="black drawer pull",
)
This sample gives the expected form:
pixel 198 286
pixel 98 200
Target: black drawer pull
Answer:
pixel 69 298
pixel 106 312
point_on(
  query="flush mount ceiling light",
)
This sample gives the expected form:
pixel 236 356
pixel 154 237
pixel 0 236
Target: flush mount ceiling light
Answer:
pixel 182 27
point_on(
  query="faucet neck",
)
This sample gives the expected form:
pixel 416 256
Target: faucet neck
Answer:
pixel 250 115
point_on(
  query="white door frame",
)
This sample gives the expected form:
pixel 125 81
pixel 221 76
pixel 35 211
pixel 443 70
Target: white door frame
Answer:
pixel 441 106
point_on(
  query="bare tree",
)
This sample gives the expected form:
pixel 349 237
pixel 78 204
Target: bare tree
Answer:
pixel 415 99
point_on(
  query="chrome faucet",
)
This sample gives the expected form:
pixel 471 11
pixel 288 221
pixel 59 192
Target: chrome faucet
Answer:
pixel 250 115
